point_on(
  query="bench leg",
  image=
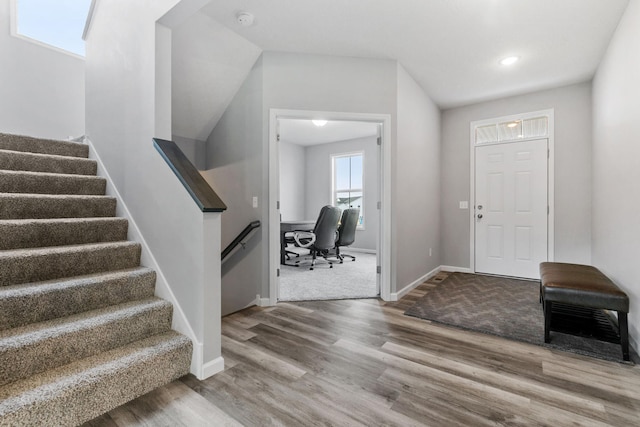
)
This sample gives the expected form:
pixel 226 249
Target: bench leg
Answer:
pixel 624 334
pixel 547 320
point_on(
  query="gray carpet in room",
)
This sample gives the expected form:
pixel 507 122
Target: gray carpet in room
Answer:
pixel 352 279
pixel 505 307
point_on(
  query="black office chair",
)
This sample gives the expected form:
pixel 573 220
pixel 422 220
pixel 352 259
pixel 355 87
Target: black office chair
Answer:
pixel 324 235
pixel 347 231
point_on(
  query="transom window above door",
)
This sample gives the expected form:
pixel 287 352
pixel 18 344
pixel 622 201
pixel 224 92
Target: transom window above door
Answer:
pixel 348 183
pixel 513 130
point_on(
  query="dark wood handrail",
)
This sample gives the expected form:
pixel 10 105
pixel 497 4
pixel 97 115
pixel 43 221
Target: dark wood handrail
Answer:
pixel 238 240
pixel 199 189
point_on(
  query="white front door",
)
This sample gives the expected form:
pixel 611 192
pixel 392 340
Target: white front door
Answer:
pixel 511 212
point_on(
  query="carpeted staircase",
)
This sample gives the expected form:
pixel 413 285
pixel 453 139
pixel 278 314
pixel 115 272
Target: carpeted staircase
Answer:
pixel 80 329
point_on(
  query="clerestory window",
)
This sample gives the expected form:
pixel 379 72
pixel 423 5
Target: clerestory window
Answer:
pixel 57 23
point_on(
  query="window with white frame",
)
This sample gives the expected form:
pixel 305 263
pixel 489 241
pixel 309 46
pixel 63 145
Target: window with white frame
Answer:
pixel 59 24
pixel 348 182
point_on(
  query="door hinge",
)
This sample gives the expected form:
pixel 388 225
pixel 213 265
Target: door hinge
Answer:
pixel 378 269
pixel 548 153
pixel 278 272
pixel 278 205
pixel 379 140
pixel 379 205
pixel 278 137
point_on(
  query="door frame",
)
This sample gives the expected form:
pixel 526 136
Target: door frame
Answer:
pixel 384 233
pixel 550 176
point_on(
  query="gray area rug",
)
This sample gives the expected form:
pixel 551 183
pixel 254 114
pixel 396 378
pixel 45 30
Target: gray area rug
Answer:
pixel 508 308
pixel 350 280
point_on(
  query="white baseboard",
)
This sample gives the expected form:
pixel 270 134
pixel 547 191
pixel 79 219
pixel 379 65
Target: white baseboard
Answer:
pixel 360 250
pixel 211 368
pixel 163 290
pixel 452 269
pixel 263 302
pixel 411 286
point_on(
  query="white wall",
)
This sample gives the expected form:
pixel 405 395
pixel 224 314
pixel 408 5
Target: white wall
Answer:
pixel 573 136
pixel 616 163
pixel 318 184
pixel 235 171
pixel 41 89
pixel 416 184
pixel 121 113
pixel 209 64
pixel 292 181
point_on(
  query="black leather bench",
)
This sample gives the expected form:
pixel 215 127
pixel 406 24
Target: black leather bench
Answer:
pixel 584 286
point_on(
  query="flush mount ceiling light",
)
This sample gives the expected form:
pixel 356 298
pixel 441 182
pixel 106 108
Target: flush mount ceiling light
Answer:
pixel 319 123
pixel 512 124
pixel 509 60
pixel 245 19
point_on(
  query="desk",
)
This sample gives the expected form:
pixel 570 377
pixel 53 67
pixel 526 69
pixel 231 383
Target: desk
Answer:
pixel 289 226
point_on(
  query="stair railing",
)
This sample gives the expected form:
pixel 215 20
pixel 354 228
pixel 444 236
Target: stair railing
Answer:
pixel 240 239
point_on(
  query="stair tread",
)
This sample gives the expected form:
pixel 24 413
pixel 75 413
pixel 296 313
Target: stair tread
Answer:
pixel 70 176
pixel 14 291
pixel 82 373
pixel 41 162
pixel 99 219
pixel 86 247
pixel 17 337
pixel 43 145
pixel 55 196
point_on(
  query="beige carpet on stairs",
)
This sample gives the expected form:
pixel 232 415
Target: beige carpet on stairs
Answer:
pixel 81 331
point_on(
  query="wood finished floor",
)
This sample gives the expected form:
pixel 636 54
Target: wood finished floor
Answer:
pixel 363 363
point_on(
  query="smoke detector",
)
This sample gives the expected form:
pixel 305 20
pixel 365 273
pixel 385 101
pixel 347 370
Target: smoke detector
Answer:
pixel 245 19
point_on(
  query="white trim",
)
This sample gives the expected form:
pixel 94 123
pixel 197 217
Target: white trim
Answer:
pixel 453 269
pixel 396 296
pixel 550 176
pixel 261 302
pixel 179 322
pixel 13 25
pixel 384 238
pixel 362 251
pixel 87 23
pixel 333 158
pixel 211 368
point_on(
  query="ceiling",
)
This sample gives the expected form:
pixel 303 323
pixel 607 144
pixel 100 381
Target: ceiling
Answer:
pixel 305 133
pixel 450 47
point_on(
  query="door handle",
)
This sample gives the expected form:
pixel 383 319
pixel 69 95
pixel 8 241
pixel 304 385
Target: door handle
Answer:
pixel 479 216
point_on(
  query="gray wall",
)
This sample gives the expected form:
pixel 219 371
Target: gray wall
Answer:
pixel 292 181
pixel 196 151
pixel 318 184
pixel 616 162
pixel 328 83
pixel 572 106
pixel 41 89
pixel 235 171
pixel 122 101
pixel 416 184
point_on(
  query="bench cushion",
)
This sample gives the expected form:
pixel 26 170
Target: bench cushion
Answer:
pixel 581 285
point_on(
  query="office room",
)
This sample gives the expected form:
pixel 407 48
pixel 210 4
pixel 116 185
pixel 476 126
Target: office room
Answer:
pixel 328 163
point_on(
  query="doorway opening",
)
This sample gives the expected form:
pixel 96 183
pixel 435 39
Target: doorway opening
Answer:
pixel 337 161
pixel 511 220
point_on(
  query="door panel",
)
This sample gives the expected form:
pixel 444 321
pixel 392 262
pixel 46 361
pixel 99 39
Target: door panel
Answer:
pixel 511 208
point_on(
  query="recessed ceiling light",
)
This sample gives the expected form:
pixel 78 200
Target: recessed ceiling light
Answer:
pixel 319 123
pixel 245 19
pixel 509 60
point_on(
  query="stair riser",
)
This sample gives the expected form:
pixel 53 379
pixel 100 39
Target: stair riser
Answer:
pixel 34 268
pixel 61 233
pixel 14 182
pixel 39 356
pixel 20 161
pixel 83 398
pixel 44 146
pixel 34 207
pixel 41 302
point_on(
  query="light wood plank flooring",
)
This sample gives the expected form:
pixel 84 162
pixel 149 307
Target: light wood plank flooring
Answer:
pixel 363 363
